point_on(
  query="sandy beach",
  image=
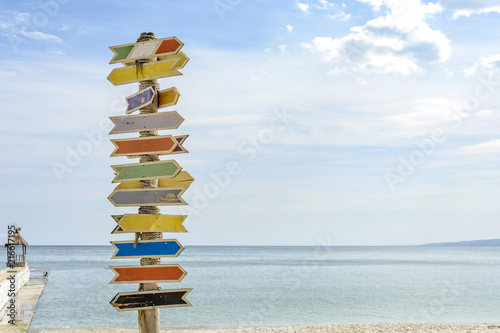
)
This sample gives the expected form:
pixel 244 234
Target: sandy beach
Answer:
pixel 340 328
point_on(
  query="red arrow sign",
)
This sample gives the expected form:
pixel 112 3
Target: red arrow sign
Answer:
pixel 148 274
pixel 163 144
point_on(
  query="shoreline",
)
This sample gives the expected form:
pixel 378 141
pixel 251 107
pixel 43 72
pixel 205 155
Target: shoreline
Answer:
pixel 336 328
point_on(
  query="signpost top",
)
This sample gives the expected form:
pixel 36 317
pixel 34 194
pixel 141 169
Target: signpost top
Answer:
pixel 143 50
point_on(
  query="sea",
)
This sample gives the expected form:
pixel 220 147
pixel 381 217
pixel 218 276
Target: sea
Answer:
pixel 279 286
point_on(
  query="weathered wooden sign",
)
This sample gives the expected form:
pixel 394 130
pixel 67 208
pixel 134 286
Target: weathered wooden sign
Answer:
pixel 163 144
pixel 143 300
pixel 139 100
pixel 145 171
pixel 147 197
pixel 182 179
pixel 129 223
pixel 148 274
pixel 183 59
pixel 147 249
pixel 168 97
pixel 148 71
pixel 144 50
pixel 168 192
pixel 179 149
pixel 152 182
pixel 146 122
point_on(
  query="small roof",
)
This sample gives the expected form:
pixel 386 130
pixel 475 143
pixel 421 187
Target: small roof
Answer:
pixel 18 239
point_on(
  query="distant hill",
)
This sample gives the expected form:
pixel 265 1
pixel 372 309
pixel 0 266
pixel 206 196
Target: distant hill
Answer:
pixel 482 242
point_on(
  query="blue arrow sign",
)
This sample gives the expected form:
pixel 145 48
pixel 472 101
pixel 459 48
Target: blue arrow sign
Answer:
pixel 141 99
pixel 147 249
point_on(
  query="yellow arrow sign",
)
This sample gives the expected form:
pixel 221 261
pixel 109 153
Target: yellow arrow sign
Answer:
pixel 149 71
pixel 180 63
pixel 183 179
pixel 149 223
pixel 168 97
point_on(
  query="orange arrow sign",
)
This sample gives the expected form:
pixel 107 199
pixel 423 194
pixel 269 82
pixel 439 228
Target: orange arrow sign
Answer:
pixel 164 144
pixel 148 274
pixel 179 149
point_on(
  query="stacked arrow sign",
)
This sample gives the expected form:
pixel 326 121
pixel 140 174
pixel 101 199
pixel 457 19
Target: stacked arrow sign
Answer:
pixel 152 182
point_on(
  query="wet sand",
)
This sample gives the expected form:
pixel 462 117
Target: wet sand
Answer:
pixel 340 328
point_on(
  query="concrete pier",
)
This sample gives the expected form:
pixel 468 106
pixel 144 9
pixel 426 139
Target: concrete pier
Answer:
pixel 25 302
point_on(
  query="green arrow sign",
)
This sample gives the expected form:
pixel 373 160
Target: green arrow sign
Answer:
pixel 144 171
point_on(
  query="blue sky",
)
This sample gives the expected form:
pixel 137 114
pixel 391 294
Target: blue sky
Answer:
pixel 366 122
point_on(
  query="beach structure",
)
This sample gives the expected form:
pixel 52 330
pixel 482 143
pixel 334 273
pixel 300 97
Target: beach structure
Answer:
pixel 15 243
pixel 152 182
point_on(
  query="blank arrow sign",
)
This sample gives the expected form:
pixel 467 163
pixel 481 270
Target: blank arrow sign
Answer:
pixel 146 122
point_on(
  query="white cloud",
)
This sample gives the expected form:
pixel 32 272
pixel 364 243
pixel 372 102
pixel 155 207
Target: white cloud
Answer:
pixel 421 114
pixel 22 25
pixel 303 7
pixel 361 81
pixel 324 5
pixel 492 146
pixel 396 43
pixel 38 35
pixel 341 16
pixel 6 74
pixel 484 114
pixel 58 52
pixel 289 28
pixel 282 48
pixel 483 63
pixel 229 119
pixel 467 8
pixel 376 4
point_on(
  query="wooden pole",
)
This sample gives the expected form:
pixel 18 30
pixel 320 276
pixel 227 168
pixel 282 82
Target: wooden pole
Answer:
pixel 149 320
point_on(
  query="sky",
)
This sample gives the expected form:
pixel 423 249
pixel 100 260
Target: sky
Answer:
pixel 310 122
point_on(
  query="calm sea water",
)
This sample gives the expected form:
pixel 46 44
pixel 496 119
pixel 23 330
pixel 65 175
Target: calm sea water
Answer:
pixel 272 286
